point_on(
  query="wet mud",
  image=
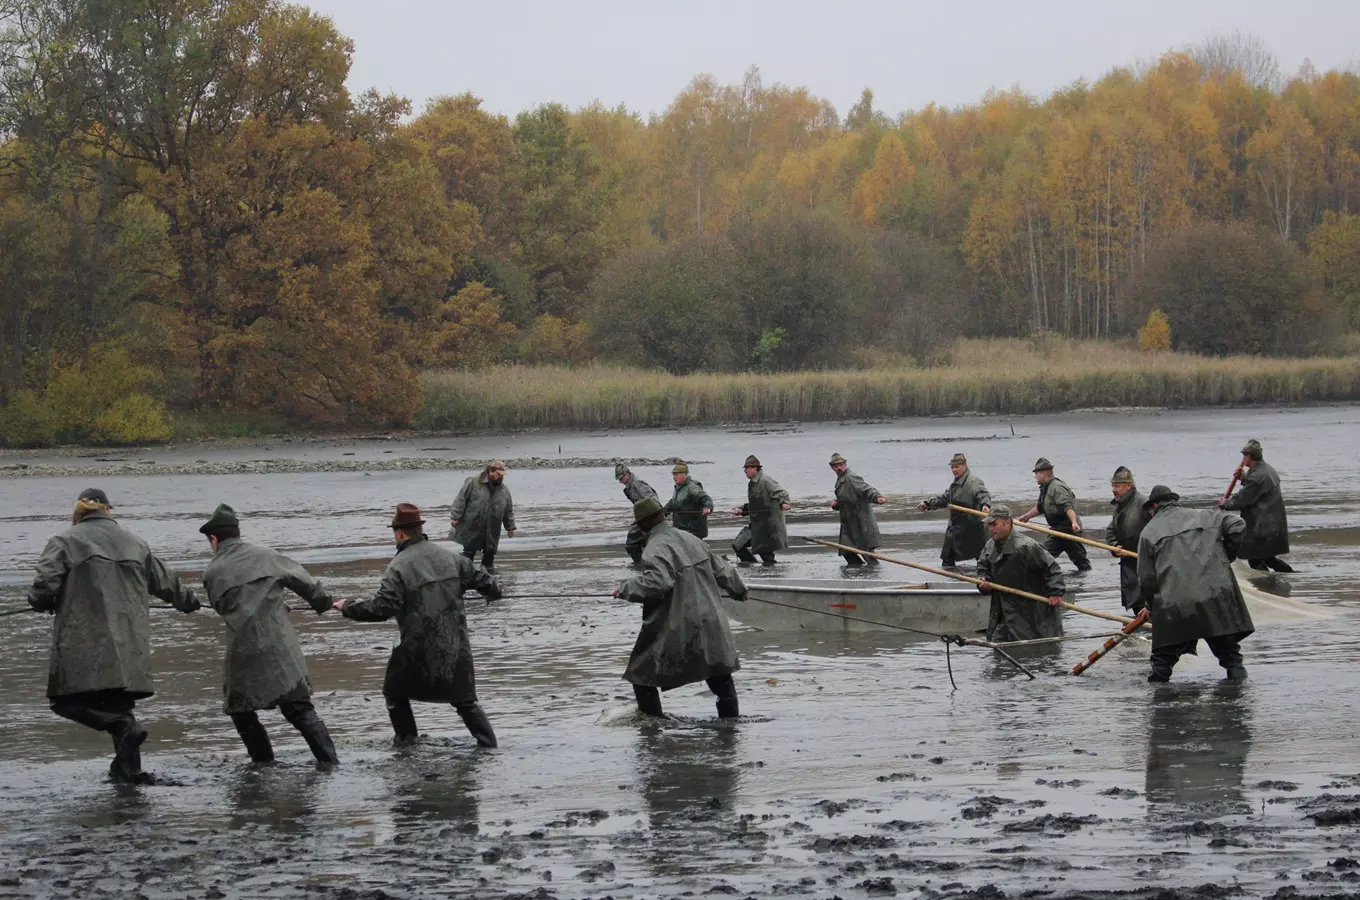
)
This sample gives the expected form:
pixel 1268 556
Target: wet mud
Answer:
pixel 854 772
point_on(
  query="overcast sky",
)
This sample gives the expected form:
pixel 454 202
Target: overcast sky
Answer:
pixel 516 55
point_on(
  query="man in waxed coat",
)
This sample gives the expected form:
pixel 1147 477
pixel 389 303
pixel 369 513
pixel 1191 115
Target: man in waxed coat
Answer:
pixel 1260 502
pixel 264 666
pixel 432 662
pixel 95 578
pixel 684 637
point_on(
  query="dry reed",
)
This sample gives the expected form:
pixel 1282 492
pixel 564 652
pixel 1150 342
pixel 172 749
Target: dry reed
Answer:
pixel 981 377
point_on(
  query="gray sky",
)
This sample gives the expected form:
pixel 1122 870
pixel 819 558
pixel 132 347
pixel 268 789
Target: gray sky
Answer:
pixel 516 55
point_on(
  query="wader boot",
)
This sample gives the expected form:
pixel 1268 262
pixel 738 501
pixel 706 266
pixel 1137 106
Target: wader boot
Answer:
pixel 254 737
pixel 767 559
pixel 403 721
pixel 648 700
pixel 853 559
pixel 302 716
pixel 478 725
pixel 112 715
pixel 1228 650
pixel 744 554
pixel 1272 563
pixel 726 690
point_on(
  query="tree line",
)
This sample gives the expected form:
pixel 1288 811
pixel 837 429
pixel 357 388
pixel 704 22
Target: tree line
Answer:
pixel 195 211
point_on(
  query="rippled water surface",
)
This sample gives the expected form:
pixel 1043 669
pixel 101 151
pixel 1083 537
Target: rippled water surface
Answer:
pixel 856 770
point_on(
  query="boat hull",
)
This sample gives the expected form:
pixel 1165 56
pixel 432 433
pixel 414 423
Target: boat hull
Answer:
pixel 837 609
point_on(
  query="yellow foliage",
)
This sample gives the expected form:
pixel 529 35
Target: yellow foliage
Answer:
pixel 468 332
pixel 554 340
pixel 1155 336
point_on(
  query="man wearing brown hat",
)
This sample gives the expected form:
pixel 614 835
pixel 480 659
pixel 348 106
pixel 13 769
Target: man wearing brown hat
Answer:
pixel 1126 525
pixel 634 490
pixel 1261 503
pixel 95 578
pixel 432 661
pixel 965 536
pixel 684 637
pixel 1185 576
pixel 766 503
pixel 1018 561
pixel 482 506
pixel 690 505
pixel 855 500
pixel 264 666
pixel 1058 504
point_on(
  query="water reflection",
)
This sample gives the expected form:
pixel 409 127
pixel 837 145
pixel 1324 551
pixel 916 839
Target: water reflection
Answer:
pixel 689 773
pixel 281 798
pixel 1198 739
pixel 444 790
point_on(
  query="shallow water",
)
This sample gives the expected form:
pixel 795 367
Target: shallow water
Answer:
pixel 857 771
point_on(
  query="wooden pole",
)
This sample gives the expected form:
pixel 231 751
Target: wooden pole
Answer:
pixel 1113 642
pixel 1118 551
pixel 1237 476
pixel 1124 620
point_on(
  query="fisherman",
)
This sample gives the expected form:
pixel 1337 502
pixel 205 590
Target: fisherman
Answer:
pixel 766 503
pixel 1059 505
pixel 432 660
pixel 1125 526
pixel 634 490
pixel 1018 561
pixel 965 536
pixel 684 637
pixel 482 506
pixel 690 506
pixel 1261 504
pixel 264 665
pixel 1185 576
pixel 854 501
pixel 95 577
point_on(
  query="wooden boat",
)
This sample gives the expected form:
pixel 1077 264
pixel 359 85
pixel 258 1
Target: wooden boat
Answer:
pixel 832 606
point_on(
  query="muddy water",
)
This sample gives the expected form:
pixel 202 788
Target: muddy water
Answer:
pixel 856 772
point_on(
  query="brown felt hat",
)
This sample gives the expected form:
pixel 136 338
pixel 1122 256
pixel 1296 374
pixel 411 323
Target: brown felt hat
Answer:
pixel 837 459
pixel 408 514
pixel 751 461
pixel 1043 465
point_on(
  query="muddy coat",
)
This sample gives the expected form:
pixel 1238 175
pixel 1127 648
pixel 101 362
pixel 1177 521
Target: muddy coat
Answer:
pixel 1123 531
pixel 767 531
pixel 1055 499
pixel 480 510
pixel 1022 563
pixel 686 508
pixel 1262 506
pixel 966 535
pixel 855 502
pixel 423 588
pixel 264 664
pixel 684 636
pixel 1185 575
pixel 97 578
pixel 636 489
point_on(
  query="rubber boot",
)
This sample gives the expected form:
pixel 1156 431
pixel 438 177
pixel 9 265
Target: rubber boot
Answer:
pixel 744 555
pixel 869 560
pixel 1237 673
pixel 1259 565
pixel 403 721
pixel 648 701
pixel 852 559
pixel 1157 676
pixel 767 559
pixel 478 725
pixel 303 717
pixel 128 737
pixel 254 737
pixel 1278 565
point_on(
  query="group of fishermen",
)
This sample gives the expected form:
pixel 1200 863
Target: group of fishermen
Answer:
pixel 95 578
pixel 1180 568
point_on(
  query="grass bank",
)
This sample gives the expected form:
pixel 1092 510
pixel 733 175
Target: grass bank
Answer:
pixel 981 376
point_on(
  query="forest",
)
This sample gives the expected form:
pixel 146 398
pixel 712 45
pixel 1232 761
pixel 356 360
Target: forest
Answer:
pixel 199 219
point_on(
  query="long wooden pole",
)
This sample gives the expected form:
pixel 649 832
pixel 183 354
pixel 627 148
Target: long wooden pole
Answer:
pixel 959 577
pixel 1237 476
pixel 1118 551
pixel 1113 642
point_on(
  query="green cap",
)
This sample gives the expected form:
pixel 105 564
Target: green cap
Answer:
pixel 1122 476
pixel 647 506
pixel 1043 465
pixel 837 459
pixel 680 469
pixel 999 511
pixel 1252 448
pixel 223 517
pixel 620 470
pixel 958 459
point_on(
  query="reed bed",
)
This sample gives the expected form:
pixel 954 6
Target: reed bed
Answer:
pixel 996 377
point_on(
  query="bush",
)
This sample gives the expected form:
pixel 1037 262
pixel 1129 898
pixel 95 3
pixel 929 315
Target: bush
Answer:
pixel 1155 336
pixel 1231 290
pixel 107 399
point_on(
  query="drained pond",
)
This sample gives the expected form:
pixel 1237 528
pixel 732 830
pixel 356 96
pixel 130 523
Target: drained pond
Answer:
pixel 856 769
